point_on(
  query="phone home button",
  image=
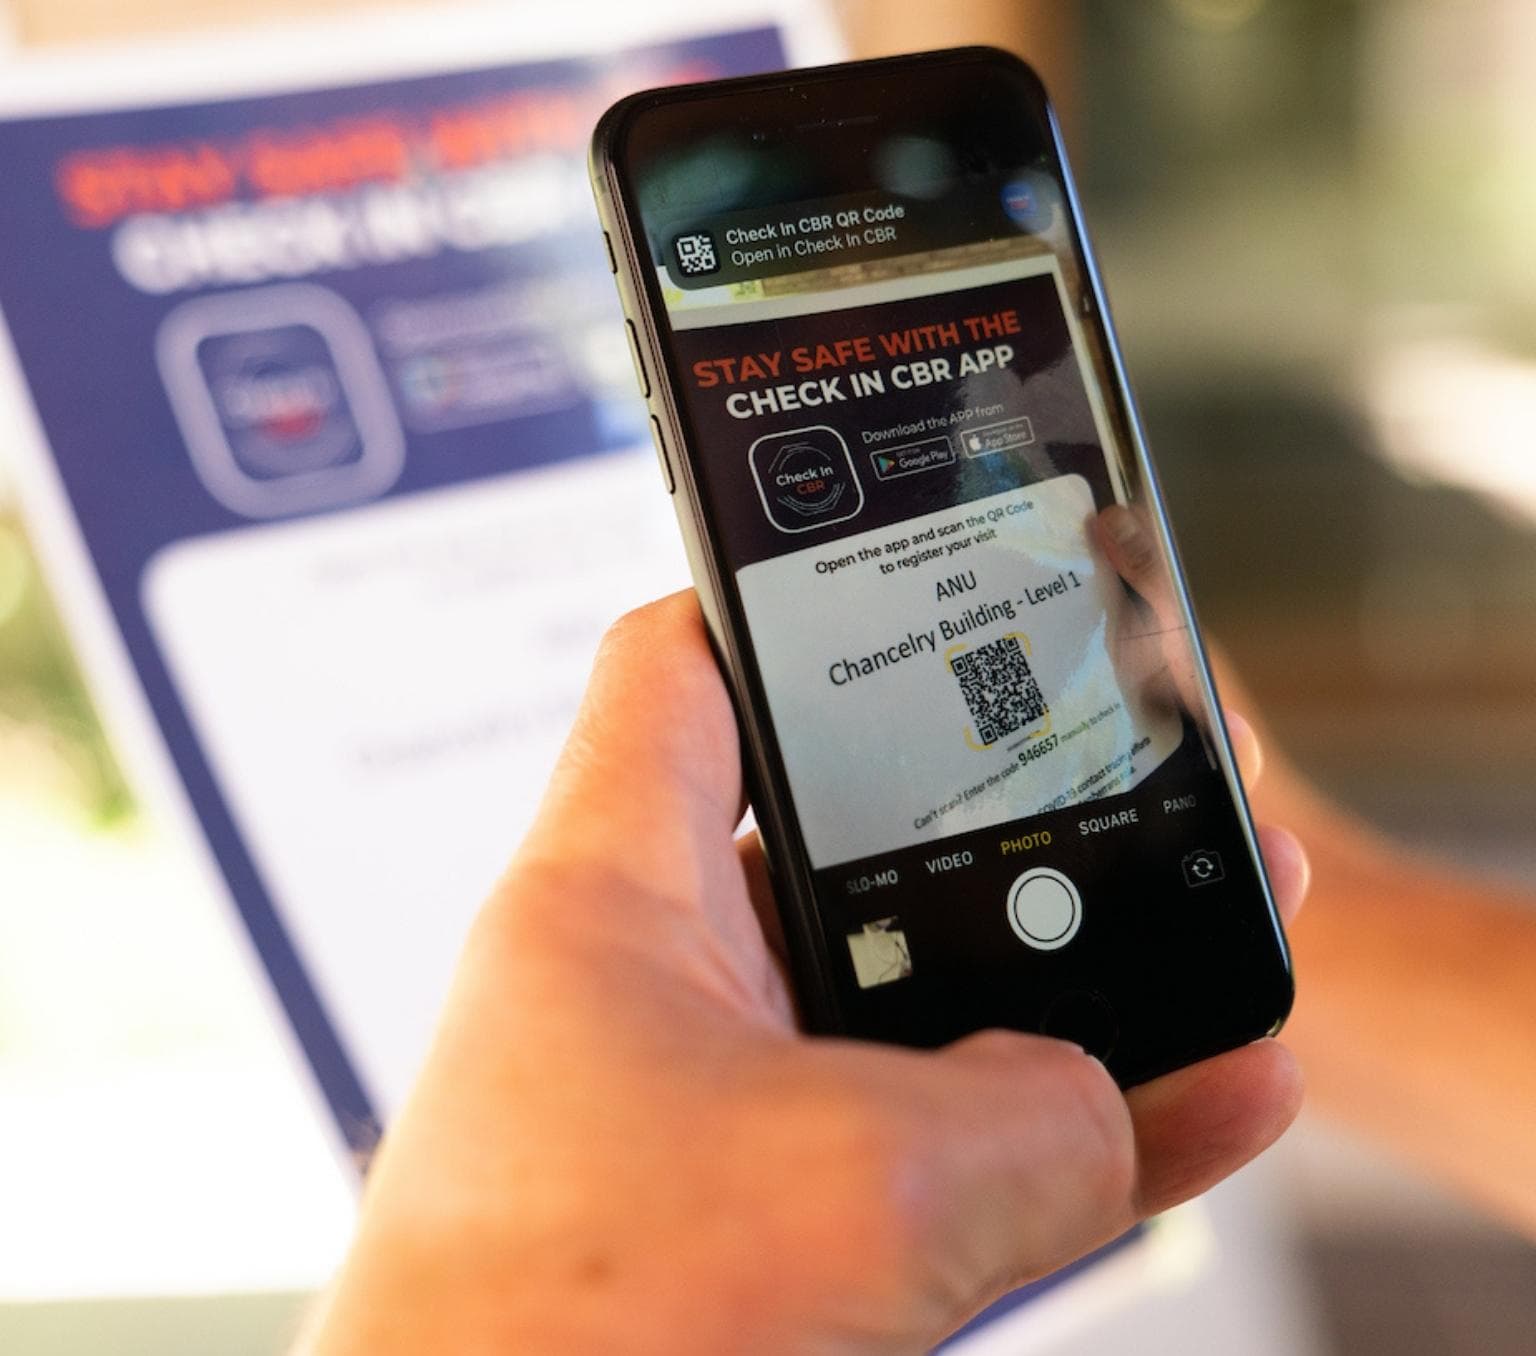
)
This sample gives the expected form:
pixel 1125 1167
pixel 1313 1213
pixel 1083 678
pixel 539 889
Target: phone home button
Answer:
pixel 1085 1018
pixel 1044 909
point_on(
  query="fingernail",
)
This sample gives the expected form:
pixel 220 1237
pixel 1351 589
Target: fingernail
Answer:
pixel 1122 526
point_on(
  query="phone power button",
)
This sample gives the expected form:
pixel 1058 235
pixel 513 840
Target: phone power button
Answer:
pixel 1044 909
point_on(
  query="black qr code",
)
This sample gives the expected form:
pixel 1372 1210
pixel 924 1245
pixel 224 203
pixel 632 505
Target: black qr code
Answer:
pixel 999 689
pixel 696 254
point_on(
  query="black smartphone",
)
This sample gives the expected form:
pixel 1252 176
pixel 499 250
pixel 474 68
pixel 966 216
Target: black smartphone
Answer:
pixel 984 751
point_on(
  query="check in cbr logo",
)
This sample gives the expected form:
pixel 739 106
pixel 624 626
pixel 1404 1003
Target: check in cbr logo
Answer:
pixel 280 399
pixel 805 478
pixel 283 414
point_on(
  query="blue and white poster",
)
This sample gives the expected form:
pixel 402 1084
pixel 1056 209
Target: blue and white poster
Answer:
pixel 338 438
pixel 333 451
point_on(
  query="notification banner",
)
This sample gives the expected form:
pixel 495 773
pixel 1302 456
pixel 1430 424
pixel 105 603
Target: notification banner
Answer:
pixel 336 413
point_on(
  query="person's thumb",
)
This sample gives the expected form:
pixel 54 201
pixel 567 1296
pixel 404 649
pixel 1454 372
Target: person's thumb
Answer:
pixel 1035 1157
pixel 1036 1150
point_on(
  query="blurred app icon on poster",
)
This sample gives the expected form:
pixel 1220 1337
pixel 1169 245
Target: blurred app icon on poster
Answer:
pixel 340 469
pixel 280 400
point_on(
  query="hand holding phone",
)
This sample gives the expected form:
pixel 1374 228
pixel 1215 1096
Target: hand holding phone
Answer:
pixel 621 1144
pixel 987 762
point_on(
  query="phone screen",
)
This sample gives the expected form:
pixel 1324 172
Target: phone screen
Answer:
pixel 925 493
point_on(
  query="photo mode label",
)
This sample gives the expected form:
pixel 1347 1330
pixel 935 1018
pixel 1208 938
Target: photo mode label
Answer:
pixel 805 478
pixel 973 660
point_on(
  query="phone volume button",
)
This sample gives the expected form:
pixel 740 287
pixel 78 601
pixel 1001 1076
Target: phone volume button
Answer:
pixel 660 439
pixel 641 375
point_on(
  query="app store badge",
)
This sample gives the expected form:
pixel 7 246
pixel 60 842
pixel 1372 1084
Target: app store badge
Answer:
pixel 805 478
pixel 281 400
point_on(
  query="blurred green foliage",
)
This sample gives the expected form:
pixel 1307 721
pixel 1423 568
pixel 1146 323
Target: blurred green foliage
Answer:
pixel 45 711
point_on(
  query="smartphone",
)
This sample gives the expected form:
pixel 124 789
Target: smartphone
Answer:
pixel 984 752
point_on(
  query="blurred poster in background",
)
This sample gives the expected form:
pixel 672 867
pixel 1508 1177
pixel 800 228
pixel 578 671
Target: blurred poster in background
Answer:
pixel 329 439
pixel 339 468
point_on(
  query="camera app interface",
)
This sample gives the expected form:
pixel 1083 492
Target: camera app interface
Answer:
pixel 979 677
pixel 917 559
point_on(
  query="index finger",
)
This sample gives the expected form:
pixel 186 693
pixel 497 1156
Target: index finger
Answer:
pixel 649 782
pixel 1126 538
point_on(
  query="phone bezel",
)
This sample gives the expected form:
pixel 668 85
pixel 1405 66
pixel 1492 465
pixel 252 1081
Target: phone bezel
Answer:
pixel 806 936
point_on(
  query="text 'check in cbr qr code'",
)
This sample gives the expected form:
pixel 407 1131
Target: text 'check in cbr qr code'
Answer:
pixel 999 689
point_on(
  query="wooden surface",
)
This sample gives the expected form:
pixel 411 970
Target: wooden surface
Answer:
pixel 1041 30
pixel 43 22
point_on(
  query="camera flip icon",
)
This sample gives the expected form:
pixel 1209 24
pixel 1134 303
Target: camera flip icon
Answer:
pixel 1203 867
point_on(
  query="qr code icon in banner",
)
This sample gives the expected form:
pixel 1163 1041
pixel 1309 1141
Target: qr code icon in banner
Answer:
pixel 999 689
pixel 696 254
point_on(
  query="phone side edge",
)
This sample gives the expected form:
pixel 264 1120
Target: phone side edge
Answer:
pixel 805 942
pixel 1157 501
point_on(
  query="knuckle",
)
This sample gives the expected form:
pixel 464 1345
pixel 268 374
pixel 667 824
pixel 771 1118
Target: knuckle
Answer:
pixel 877 1152
pixel 622 631
pixel 1094 1138
pixel 850 1159
pixel 1100 1127
pixel 530 910
pixel 644 621
pixel 1142 549
pixel 995 1045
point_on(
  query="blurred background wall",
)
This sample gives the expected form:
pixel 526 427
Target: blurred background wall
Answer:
pixel 1314 217
pixel 1315 220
